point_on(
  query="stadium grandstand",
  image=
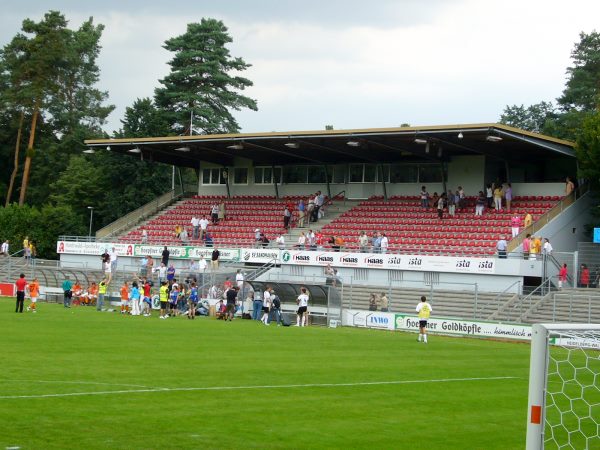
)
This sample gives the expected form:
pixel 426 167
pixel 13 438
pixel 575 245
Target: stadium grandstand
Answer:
pixel 371 181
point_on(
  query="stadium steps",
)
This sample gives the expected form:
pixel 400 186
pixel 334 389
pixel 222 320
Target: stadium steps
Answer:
pixel 333 212
pixel 445 303
pixel 568 305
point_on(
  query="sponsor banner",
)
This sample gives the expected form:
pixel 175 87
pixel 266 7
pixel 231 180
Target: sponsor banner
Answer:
pixel 261 255
pixel 465 327
pixel 369 319
pixel 226 254
pixel 426 263
pixel 93 248
pixel 576 342
pixel 156 251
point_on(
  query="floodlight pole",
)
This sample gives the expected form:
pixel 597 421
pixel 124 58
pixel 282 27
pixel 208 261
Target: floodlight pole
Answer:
pixel 91 208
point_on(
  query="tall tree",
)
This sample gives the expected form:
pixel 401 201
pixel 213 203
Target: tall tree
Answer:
pixel 144 119
pixel 535 118
pixel 200 90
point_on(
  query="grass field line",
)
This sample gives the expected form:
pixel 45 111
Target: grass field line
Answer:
pixel 73 382
pixel 269 386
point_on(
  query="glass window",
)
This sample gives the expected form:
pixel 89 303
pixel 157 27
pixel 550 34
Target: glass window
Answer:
pixel 430 173
pixel 277 175
pixel 206 176
pixel 224 173
pixel 268 178
pixel 339 174
pixel 383 174
pixel 316 174
pixel 258 175
pixel 240 175
pixel 404 173
pixel 212 176
pixel 370 173
pixel 356 173
pixel 295 174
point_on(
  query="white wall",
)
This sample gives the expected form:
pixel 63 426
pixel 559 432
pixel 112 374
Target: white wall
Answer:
pixel 467 171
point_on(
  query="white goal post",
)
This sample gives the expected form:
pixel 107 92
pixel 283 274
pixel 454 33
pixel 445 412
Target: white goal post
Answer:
pixel 563 409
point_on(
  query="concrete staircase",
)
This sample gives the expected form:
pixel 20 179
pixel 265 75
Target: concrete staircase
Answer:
pixel 567 305
pixel 333 211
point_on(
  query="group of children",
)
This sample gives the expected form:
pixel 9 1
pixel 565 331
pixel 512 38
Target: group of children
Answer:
pixel 175 298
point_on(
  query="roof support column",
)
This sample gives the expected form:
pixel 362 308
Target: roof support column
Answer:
pixel 226 175
pixel 443 169
pixel 275 181
pixel 507 170
pixel 380 170
pixel 327 180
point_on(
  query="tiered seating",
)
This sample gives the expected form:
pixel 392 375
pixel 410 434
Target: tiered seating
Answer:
pixel 243 215
pixel 410 229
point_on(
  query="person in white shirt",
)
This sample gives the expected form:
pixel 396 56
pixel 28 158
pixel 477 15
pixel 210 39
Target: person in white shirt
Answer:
pixel 363 242
pixel 4 248
pixel 302 313
pixel 144 236
pixel 266 305
pixel 214 214
pixel 547 248
pixel 301 241
pixel 202 265
pixel 239 279
pixel 113 260
pixel 280 242
pixel 213 292
pixel 384 243
pixel 196 224
pixel 424 311
pixel 203 223
pixel 311 240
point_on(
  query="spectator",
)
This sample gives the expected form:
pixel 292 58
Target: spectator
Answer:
pixel 25 248
pixel 144 236
pixel 275 308
pixel 27 254
pixel 480 204
pixel 569 186
pixel 178 229
pixel 4 248
pixel 319 201
pixel 451 199
pixel 162 273
pixel 333 245
pixel 184 236
pixel 501 246
pixel 384 303
pixel 165 256
pixel 301 213
pixel 222 215
pixel 562 275
pixel 256 306
pixel 311 240
pixel 264 240
pixel 214 259
pixel 92 294
pixel 440 205
pixel 310 209
pixel 102 287
pixel 214 214
pixel 508 195
pixel 221 310
pixel 384 243
pixel 231 300
pixel 113 260
pixel 434 200
pixel 301 241
pixel 150 266
pixel 526 246
pixel 535 248
pixel 257 237
pixel 171 272
pixel 339 243
pixel 515 224
pixel 193 269
pixel 376 242
pixel 547 247
pixel 287 215
pixel 203 223
pixel 373 302
pixel 195 227
pixel 107 270
pixel 527 221
pixel 498 198
pixel 424 196
pixel 489 195
pixel 584 276
pixel 208 240
pixel 363 242
pixel 280 242
pixel 143 266
pixel 462 199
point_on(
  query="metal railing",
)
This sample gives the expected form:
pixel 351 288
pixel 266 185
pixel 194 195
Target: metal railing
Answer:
pixel 143 212
pixel 549 215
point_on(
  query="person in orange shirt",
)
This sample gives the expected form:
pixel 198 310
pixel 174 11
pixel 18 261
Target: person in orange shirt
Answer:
pixel 34 293
pixel 92 294
pixel 124 298
pixel 77 291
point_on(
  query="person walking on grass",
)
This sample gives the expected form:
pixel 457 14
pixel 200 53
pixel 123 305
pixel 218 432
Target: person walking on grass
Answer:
pixel 424 311
pixel 164 299
pixel 302 313
pixel 34 293
pixel 68 293
pixel 21 284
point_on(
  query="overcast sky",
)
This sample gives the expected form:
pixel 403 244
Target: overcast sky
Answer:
pixel 351 64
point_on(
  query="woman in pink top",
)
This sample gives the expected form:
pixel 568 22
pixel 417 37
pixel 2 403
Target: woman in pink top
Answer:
pixel 526 246
pixel 515 224
pixel 562 276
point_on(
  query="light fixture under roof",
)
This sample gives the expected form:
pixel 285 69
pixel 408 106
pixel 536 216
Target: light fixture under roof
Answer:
pixel 439 152
pixel 492 138
pixel 427 147
pixel 460 135
pixel 108 148
pixel 292 145
pixel 89 151
pixel 420 141
pixel 235 146
pixel 135 150
pixel 182 149
pixel 353 143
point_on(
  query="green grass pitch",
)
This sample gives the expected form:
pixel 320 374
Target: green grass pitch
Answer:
pixel 76 378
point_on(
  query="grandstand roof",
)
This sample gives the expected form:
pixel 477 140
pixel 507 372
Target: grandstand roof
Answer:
pixel 369 145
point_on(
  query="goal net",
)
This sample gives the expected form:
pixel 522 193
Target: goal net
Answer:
pixel 564 387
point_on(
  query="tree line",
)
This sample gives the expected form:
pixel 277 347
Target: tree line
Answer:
pixel 50 103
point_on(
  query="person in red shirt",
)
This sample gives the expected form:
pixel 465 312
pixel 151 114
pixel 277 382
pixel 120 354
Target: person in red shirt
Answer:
pixel 584 278
pixel 21 284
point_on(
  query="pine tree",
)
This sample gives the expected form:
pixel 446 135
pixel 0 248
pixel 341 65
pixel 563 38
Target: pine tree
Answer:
pixel 200 91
